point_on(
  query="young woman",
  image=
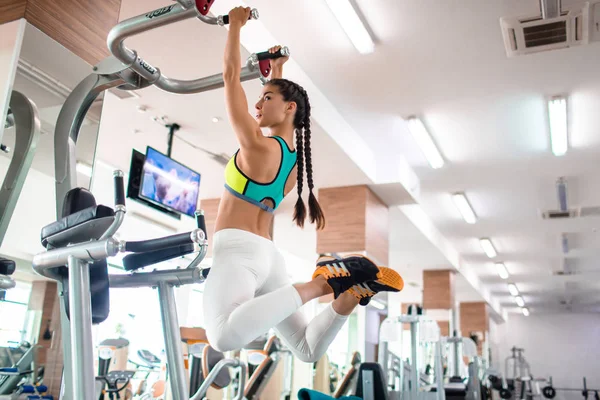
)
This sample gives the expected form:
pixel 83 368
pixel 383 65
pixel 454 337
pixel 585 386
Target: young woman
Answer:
pixel 248 290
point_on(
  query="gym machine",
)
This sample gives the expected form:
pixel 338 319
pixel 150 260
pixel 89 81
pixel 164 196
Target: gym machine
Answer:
pixel 520 366
pixel 348 382
pixel 126 70
pixel 23 116
pixel 83 239
pixel 457 388
pixel 88 243
pixel 373 378
pixel 549 391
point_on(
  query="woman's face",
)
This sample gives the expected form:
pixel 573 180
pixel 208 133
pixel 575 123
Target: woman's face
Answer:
pixel 271 109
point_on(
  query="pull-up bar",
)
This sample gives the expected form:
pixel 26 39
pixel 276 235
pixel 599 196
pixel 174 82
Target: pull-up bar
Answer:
pixel 185 9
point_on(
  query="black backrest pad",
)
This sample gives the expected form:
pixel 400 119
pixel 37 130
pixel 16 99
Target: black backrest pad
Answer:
pixel 379 381
pixel 7 267
pixel 76 200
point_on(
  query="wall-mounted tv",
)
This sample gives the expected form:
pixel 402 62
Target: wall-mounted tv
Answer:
pixel 162 183
pixel 168 183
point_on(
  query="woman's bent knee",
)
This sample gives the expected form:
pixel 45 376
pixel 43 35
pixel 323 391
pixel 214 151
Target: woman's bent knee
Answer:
pixel 221 340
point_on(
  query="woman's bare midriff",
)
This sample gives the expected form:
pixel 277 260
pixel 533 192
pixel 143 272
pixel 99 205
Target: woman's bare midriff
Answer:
pixel 239 214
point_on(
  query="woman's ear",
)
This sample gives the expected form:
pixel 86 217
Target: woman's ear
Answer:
pixel 291 107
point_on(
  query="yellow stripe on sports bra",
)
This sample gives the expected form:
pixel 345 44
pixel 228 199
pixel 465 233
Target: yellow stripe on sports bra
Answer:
pixel 234 178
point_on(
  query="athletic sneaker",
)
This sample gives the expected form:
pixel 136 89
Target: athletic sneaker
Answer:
pixel 390 281
pixel 342 274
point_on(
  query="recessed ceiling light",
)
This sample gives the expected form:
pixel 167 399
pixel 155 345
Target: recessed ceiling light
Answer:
pixel 216 119
pixel 488 247
pixel 425 142
pixel 377 304
pixel 502 271
pixel 351 23
pixel 512 288
pixel 465 209
pixel 557 111
pixel 519 300
pixel 525 312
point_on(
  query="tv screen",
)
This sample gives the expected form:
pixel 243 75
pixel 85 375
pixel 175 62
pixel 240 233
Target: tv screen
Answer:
pixel 169 183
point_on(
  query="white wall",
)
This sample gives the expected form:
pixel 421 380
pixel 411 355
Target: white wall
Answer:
pixel 564 346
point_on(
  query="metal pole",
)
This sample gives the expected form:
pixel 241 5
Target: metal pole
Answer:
pixel 81 329
pixel 228 362
pixel 550 8
pixel 383 359
pixel 439 372
pixel 172 129
pixel 67 381
pixel 168 313
pixel 414 371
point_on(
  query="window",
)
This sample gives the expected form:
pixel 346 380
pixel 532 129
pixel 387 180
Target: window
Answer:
pixel 195 315
pixel 13 314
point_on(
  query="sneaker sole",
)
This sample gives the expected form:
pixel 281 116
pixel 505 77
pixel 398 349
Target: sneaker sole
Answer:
pixel 327 273
pixel 390 278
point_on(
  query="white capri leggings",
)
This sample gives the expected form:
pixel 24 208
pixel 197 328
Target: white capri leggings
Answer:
pixel 248 292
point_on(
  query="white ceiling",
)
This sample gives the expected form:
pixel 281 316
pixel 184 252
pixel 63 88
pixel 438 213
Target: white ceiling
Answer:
pixel 443 62
pixel 486 112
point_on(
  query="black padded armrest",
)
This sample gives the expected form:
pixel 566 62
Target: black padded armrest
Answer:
pixel 135 261
pixel 75 219
pixel 7 267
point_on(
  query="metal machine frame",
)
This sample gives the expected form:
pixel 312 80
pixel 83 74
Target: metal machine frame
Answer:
pixel 23 114
pixel 391 363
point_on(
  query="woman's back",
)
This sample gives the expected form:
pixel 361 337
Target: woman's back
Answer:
pixel 256 182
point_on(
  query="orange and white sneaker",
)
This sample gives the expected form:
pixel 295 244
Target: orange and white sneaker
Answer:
pixel 342 274
pixel 389 281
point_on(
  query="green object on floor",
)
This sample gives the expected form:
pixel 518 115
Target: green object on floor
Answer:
pixel 308 394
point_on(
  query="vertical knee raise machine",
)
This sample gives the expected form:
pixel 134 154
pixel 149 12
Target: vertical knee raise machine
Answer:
pixel 83 237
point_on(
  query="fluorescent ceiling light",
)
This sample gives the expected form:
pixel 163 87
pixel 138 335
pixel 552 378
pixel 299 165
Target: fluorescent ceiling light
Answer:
pixel 488 247
pixel 423 139
pixel 465 209
pixel 377 304
pixel 512 288
pixel 352 25
pixel 525 311
pixel 557 112
pixel 520 301
pixel 502 271
pixel 84 169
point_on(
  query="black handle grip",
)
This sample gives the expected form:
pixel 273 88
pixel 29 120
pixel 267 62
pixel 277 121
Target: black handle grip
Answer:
pixel 201 222
pixel 265 55
pixel 144 246
pixel 253 15
pixel 119 188
pixel 131 262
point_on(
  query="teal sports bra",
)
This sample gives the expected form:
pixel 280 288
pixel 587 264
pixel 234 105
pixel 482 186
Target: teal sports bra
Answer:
pixel 241 186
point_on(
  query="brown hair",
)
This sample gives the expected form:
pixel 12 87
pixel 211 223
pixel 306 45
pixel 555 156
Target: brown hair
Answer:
pixel 293 92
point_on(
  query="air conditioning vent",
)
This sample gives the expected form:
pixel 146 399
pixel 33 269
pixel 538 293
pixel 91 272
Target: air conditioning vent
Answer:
pixel 546 34
pixel 575 26
pixel 558 214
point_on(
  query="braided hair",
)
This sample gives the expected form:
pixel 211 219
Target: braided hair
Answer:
pixel 293 92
